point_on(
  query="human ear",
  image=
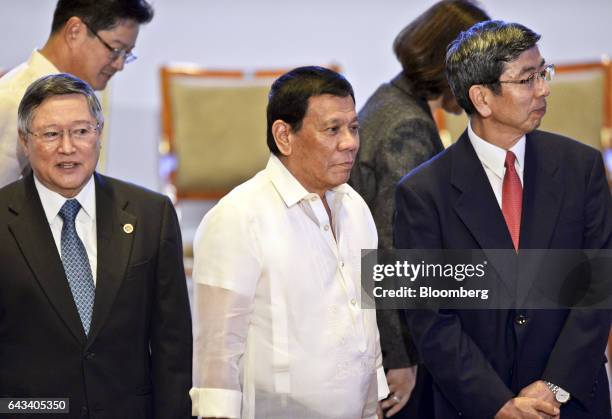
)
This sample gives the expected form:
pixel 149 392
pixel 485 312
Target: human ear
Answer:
pixel 74 31
pixel 281 131
pixel 23 142
pixel 480 97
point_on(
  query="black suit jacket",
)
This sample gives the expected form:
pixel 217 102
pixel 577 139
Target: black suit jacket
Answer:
pixel 477 360
pixel 136 361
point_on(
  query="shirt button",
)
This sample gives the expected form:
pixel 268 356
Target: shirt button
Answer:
pixel 521 320
pixel 314 198
pixel 341 264
pixel 353 301
pixel 326 227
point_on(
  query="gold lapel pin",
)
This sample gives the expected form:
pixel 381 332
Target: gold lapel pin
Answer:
pixel 128 228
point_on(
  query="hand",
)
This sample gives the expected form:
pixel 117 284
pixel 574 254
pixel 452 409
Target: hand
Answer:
pixel 401 383
pixel 527 408
pixel 539 390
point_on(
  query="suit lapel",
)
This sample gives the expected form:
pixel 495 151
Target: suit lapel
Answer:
pixel 477 206
pixel 542 198
pixel 114 249
pixel 33 235
pixel 479 210
pixel 542 194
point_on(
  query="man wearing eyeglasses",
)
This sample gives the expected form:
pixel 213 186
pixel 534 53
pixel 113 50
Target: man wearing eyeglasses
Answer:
pixel 506 185
pixel 91 39
pixel 93 297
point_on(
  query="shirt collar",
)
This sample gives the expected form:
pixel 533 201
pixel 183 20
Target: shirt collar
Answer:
pixel 38 60
pixel 52 202
pixel 494 157
pixel 290 189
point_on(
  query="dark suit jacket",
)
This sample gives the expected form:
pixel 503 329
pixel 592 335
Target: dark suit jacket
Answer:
pixel 478 360
pixel 397 133
pixel 136 362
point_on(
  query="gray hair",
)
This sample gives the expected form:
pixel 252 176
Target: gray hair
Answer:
pixel 55 85
pixel 479 56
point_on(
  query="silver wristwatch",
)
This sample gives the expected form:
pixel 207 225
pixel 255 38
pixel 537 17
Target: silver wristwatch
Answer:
pixel 561 395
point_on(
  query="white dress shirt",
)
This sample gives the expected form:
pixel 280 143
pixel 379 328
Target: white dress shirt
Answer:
pixel 279 332
pixel 493 159
pixel 85 222
pixel 12 87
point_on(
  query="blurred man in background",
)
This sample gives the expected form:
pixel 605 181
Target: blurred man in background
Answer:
pixel 398 133
pixel 91 39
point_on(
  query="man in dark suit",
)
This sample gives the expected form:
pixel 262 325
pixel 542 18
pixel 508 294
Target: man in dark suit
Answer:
pixel 93 299
pixel 505 185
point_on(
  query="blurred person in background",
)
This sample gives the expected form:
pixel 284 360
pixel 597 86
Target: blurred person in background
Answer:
pixel 91 39
pixel 398 133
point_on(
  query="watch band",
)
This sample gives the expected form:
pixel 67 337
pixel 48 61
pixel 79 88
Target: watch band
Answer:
pixel 561 395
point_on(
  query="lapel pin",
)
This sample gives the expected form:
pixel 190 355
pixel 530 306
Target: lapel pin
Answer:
pixel 128 228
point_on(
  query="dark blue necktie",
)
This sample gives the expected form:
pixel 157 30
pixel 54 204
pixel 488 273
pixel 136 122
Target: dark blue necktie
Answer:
pixel 76 264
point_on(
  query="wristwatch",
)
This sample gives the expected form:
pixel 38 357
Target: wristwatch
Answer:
pixel 561 395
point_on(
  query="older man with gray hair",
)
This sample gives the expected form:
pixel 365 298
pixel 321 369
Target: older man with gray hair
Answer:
pixel 93 300
pixel 506 185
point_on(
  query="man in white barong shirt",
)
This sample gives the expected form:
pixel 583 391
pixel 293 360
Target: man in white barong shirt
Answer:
pixel 279 329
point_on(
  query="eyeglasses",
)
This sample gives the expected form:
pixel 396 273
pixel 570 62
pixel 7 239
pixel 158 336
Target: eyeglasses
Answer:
pixel 115 53
pixel 83 133
pixel 547 73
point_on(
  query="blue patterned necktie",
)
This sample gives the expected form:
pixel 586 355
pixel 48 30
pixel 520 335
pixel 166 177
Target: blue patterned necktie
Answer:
pixel 76 264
